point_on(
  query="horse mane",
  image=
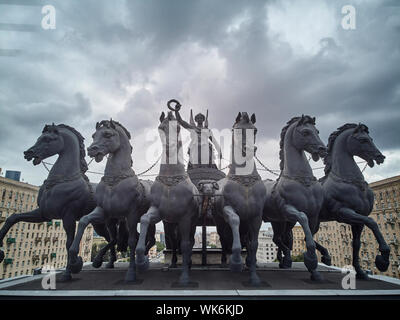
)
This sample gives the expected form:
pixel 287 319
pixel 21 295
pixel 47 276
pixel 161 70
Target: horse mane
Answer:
pixel 306 119
pixel 82 152
pixel 107 123
pixel 331 141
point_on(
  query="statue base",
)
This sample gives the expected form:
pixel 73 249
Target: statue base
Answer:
pixel 213 256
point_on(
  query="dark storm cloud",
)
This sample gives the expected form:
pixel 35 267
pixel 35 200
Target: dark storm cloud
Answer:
pixel 125 59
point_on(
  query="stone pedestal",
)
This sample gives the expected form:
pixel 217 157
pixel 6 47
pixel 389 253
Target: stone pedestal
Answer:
pixel 213 256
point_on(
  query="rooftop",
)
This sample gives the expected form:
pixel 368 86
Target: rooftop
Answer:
pixel 214 281
pixel 384 181
pixel 19 184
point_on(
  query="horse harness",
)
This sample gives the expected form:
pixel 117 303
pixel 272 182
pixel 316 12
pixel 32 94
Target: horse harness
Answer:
pixel 50 183
pixel 361 184
pixel 112 181
pixel 306 181
pixel 245 180
pixel 171 181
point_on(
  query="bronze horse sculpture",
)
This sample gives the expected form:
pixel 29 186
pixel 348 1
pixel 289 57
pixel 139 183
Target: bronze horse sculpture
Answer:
pixel 242 196
pixel 347 197
pixel 296 196
pixel 120 196
pixel 66 193
pixel 174 198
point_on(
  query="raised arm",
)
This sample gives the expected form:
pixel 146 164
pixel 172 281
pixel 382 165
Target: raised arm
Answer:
pixel 182 122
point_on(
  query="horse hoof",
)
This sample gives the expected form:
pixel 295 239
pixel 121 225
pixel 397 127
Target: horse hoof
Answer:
pixel 310 261
pixel 76 266
pixel 255 281
pixel 130 276
pixel 173 266
pixel 65 277
pixel 316 276
pixel 224 265
pixel 143 266
pixel 1 256
pixel 326 260
pixel 97 263
pixel 287 263
pixel 381 263
pixel 184 281
pixel 362 275
pixel 236 267
pixel 110 265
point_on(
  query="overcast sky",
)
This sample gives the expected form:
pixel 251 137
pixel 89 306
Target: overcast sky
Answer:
pixel 126 59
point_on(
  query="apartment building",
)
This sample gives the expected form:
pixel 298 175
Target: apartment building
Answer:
pixel 266 247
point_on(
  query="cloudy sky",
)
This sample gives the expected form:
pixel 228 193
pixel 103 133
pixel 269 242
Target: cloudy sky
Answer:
pixel 126 59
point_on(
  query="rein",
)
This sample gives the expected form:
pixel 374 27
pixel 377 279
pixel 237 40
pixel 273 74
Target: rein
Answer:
pixel 50 183
pixel 170 181
pixel 361 184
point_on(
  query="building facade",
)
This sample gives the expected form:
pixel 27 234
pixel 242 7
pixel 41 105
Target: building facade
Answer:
pixel 299 245
pixel 28 246
pixel 337 237
pixel 266 247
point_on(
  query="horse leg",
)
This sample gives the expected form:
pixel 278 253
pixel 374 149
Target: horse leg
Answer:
pixel 254 228
pixel 102 231
pixel 113 258
pixel 150 239
pixel 175 243
pixel 74 261
pixel 310 256
pixel 69 226
pixel 151 217
pixel 285 262
pixel 233 220
pixel 32 216
pixel 325 258
pixel 349 216
pixel 220 225
pixel 112 232
pixel 133 220
pixel 186 250
pixel 169 230
pixel 356 231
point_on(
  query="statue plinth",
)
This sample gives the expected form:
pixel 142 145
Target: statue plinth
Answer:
pixel 213 256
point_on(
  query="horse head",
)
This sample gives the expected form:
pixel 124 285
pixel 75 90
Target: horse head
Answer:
pixel 360 144
pixel 244 135
pixel 48 144
pixel 106 139
pixel 305 136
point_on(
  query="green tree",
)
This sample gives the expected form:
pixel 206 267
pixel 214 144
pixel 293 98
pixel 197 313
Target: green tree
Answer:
pixel 299 258
pixel 160 246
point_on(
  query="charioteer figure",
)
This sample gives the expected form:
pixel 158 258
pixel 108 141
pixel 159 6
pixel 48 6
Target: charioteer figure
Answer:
pixel 201 151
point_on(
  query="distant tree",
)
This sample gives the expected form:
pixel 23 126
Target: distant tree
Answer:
pixel 160 246
pixel 299 258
